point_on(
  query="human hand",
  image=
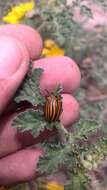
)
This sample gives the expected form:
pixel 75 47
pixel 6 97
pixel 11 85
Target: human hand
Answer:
pixel 19 44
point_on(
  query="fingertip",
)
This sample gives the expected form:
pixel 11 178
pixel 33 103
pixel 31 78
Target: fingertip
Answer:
pixel 14 63
pixel 58 70
pixel 27 35
pixel 71 110
pixel 12 52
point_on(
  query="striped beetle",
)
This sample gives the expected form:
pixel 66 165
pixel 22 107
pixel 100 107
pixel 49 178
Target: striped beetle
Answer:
pixel 53 108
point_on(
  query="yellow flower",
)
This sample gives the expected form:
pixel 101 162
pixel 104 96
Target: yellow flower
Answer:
pixel 49 43
pixel 52 49
pixel 54 186
pixel 12 19
pixel 18 12
pixel 45 51
pixel 43 185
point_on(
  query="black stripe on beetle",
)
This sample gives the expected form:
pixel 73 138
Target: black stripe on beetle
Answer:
pixel 53 108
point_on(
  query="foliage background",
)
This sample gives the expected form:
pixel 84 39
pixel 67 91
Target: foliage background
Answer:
pixel 87 46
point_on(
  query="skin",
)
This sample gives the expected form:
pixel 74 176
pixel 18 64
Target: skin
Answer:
pixel 18 159
pixel 49 79
pixel 30 37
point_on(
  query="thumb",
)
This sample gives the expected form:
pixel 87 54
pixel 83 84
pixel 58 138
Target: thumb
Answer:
pixel 14 63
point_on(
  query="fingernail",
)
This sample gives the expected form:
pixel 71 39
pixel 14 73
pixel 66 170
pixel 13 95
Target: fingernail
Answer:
pixel 11 55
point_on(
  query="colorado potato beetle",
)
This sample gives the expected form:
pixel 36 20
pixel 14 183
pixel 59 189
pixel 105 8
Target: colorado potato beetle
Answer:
pixel 53 108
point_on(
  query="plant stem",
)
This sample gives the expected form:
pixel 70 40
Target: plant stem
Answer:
pixel 62 130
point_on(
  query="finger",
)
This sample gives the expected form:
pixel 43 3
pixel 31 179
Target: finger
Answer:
pixel 20 166
pixel 11 140
pixel 25 34
pixel 14 59
pixel 71 109
pixel 11 84
pixel 58 70
pixel 12 53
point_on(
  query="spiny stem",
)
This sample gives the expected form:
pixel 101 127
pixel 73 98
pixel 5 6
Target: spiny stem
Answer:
pixel 69 143
pixel 63 133
pixel 62 130
pixel 66 136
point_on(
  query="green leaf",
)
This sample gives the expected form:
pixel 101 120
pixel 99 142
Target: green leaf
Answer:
pixel 30 90
pixel 30 120
pixel 97 151
pixel 78 181
pixel 84 128
pixel 53 159
pixel 84 10
pixel 61 2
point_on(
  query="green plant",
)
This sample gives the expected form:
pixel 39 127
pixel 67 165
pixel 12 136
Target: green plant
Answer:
pixel 54 19
pixel 70 155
